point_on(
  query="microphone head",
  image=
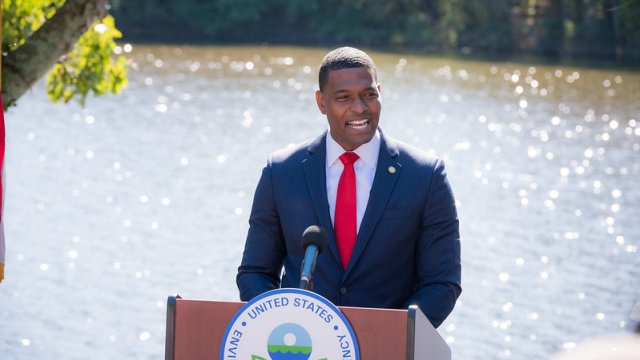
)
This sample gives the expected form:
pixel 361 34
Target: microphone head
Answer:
pixel 314 235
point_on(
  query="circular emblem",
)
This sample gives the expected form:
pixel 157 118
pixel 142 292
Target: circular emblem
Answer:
pixel 289 324
pixel 289 341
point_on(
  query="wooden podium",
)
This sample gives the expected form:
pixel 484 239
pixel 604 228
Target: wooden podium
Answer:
pixel 195 329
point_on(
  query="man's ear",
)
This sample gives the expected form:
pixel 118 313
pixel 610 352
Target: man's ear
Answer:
pixel 320 101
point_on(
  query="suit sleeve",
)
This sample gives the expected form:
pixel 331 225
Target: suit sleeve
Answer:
pixel 264 248
pixel 438 252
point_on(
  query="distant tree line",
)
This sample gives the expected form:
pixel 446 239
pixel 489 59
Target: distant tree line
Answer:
pixel 578 29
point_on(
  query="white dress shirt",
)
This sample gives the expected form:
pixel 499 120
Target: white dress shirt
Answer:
pixel 365 169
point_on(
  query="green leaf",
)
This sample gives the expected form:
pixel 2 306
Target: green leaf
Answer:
pixel 90 67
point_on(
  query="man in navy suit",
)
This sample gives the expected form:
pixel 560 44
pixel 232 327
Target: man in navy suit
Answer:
pixel 407 246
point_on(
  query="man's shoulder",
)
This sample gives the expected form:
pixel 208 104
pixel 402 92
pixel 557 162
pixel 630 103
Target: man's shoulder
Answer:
pixel 294 152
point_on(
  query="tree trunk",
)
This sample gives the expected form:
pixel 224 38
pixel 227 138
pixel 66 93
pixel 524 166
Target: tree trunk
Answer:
pixel 28 63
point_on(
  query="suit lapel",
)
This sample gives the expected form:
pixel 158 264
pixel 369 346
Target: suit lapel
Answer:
pixel 384 182
pixel 314 168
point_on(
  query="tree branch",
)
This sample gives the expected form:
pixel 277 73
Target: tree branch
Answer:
pixel 55 38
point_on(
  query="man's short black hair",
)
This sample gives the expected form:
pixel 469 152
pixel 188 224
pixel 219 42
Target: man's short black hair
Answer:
pixel 344 58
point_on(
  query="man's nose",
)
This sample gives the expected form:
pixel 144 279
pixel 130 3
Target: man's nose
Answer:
pixel 358 105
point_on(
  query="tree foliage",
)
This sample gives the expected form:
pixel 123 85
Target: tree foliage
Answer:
pixel 21 18
pixel 89 67
pixel 83 62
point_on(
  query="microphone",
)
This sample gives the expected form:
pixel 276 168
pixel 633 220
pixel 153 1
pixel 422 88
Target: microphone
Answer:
pixel 314 241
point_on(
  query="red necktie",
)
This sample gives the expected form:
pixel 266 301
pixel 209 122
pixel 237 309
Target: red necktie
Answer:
pixel 344 222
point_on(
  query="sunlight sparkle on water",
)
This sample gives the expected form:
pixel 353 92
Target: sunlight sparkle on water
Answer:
pixel 549 204
pixel 523 103
pixel 571 235
pixel 287 61
pixel 161 108
pixel 507 307
pixel 616 193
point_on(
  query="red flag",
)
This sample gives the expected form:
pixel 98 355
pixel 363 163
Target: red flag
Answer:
pixel 1 190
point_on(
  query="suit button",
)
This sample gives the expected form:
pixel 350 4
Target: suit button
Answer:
pixel 343 290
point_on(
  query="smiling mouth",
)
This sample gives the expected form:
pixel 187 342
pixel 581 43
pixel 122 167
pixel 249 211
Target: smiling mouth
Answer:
pixel 358 124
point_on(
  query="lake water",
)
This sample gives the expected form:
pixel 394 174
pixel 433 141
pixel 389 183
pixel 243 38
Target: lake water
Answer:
pixel 111 208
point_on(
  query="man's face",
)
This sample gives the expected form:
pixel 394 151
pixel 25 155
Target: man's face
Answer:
pixel 351 101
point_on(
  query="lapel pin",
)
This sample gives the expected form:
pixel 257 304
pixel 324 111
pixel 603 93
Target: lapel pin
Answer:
pixel 391 170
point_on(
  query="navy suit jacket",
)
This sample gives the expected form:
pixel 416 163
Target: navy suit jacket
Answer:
pixel 407 249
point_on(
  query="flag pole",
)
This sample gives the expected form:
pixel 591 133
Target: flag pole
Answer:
pixel 2 134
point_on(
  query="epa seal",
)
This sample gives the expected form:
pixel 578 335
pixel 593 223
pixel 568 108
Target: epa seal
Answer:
pixel 289 324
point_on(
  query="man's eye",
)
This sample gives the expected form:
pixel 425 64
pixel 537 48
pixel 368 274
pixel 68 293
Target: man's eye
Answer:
pixel 372 95
pixel 342 98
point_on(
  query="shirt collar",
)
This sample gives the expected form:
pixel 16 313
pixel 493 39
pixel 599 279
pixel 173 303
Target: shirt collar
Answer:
pixel 368 152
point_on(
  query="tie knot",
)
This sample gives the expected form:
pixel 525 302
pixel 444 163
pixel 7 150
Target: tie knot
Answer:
pixel 348 158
